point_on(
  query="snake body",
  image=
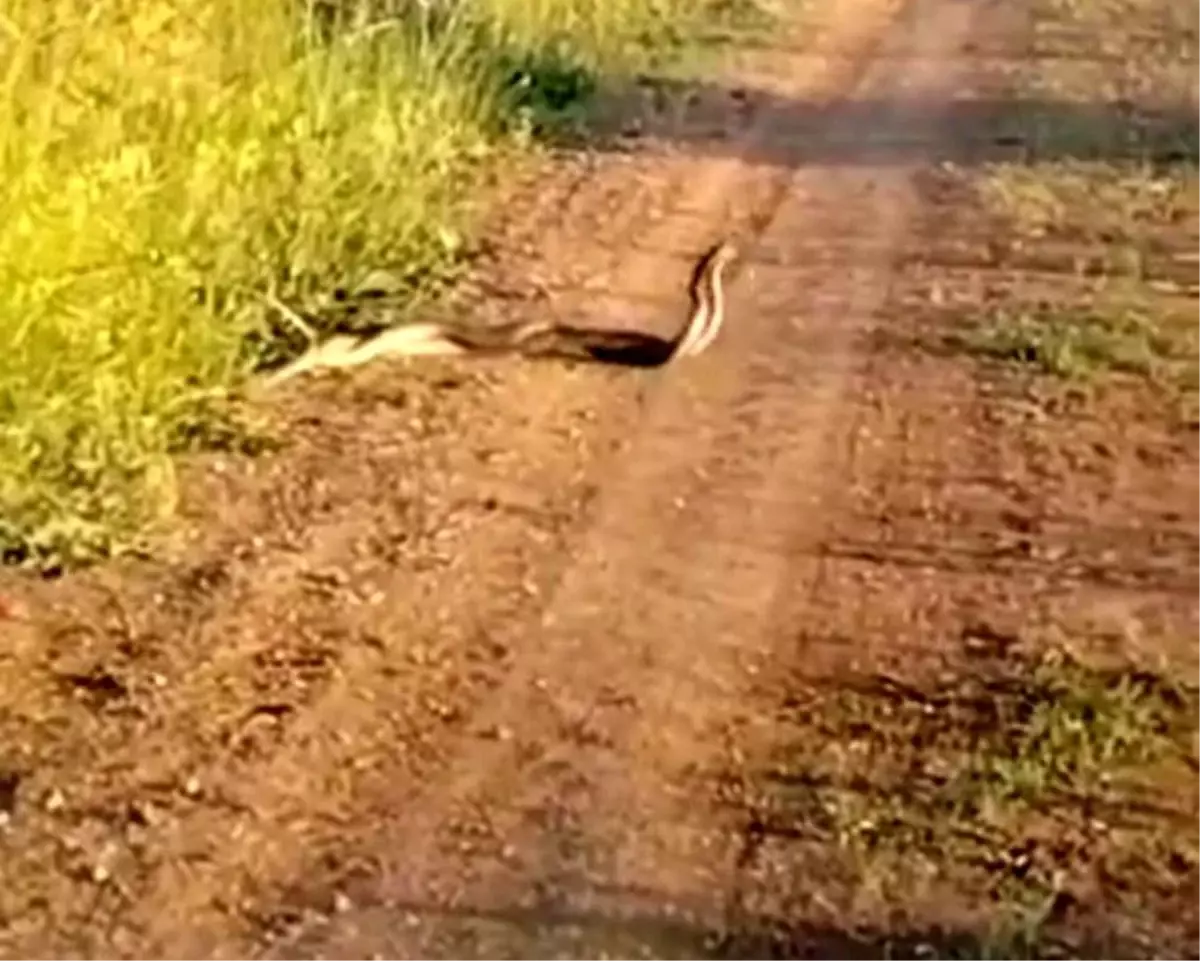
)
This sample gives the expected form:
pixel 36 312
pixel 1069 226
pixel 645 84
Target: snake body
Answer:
pixel 539 339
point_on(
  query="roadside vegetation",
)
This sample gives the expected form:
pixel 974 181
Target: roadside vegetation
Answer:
pixel 1022 778
pixel 171 171
pixel 1119 223
pixel 1112 195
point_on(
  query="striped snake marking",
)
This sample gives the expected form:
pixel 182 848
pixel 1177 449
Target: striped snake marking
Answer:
pixel 539 339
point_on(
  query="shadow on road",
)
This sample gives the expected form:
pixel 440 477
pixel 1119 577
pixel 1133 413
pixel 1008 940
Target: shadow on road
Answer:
pixel 549 931
pixel 799 134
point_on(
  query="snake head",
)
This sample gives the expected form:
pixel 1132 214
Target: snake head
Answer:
pixel 708 268
pixel 723 253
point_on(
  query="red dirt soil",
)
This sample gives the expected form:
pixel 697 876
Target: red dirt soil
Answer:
pixel 482 663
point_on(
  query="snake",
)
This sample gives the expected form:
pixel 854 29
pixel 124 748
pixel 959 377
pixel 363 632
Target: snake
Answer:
pixel 538 338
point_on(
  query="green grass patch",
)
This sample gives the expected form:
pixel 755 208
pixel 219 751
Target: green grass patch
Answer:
pixel 1082 343
pixel 1169 19
pixel 983 745
pixel 166 167
pixel 1072 730
pixel 962 787
pixel 1090 201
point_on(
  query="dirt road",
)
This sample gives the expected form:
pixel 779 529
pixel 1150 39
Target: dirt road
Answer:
pixel 484 663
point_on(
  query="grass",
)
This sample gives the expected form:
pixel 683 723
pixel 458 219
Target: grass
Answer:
pixel 1128 216
pixel 1090 201
pixel 169 168
pixel 1005 782
pixel 1080 343
pixel 1137 320
pixel 1116 20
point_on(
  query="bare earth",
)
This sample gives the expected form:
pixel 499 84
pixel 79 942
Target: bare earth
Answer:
pixel 503 660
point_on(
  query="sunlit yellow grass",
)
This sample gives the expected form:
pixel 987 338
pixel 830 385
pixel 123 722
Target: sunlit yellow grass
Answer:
pixel 164 165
